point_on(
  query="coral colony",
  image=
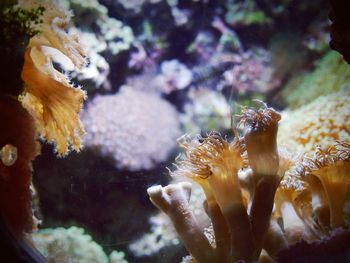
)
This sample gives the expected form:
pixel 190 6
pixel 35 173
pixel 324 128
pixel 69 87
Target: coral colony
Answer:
pixel 260 197
pixel 138 118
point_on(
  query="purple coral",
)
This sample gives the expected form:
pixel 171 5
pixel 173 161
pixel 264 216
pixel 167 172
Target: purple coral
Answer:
pixel 136 129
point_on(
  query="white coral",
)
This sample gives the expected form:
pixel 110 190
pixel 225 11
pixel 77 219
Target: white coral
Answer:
pixel 136 129
pixel 72 245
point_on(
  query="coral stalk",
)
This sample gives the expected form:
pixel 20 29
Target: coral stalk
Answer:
pixel 173 200
pixel 260 133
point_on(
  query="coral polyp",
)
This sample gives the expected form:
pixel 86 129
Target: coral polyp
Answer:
pixel 243 179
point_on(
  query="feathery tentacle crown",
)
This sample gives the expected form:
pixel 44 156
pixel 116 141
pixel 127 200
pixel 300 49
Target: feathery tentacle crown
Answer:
pixel 258 120
pixel 202 154
pixel 323 158
pixel 331 167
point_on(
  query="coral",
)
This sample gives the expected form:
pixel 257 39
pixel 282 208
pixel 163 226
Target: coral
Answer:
pixel 241 179
pixel 136 129
pixel 173 76
pixel 118 36
pixel 244 13
pixel 49 95
pixel 213 162
pixel 330 168
pixel 117 257
pixel 204 45
pixel 321 122
pixel 109 31
pixel 162 232
pixel 15 175
pixel 311 198
pixel 95 74
pixel 208 110
pixel 135 5
pixel 72 245
pixel 85 12
pixel 330 75
pixel 252 71
pixel 229 39
pixel 103 37
pixel 161 235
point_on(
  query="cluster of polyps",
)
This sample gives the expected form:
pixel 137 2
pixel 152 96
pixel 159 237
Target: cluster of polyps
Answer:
pixel 240 179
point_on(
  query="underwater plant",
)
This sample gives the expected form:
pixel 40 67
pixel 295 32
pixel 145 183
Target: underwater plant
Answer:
pixel 241 179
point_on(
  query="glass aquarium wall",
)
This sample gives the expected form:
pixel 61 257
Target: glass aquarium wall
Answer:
pixel 175 131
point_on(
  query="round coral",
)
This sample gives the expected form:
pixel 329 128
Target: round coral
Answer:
pixel 136 129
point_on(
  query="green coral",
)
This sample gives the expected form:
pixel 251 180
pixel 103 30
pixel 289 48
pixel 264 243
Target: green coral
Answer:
pixel 330 75
pixel 245 13
pixel 17 26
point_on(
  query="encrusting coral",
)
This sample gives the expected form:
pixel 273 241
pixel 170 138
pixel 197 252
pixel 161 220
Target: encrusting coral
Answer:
pixel 241 179
pixel 331 74
pixel 316 123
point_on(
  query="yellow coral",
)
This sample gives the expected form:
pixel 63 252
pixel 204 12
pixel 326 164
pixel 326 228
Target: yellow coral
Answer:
pixel 321 122
pixel 49 95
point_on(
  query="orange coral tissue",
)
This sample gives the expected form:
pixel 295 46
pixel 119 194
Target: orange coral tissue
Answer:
pixel 49 95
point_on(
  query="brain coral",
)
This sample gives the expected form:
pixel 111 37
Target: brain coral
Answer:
pixel 135 128
pixel 323 121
